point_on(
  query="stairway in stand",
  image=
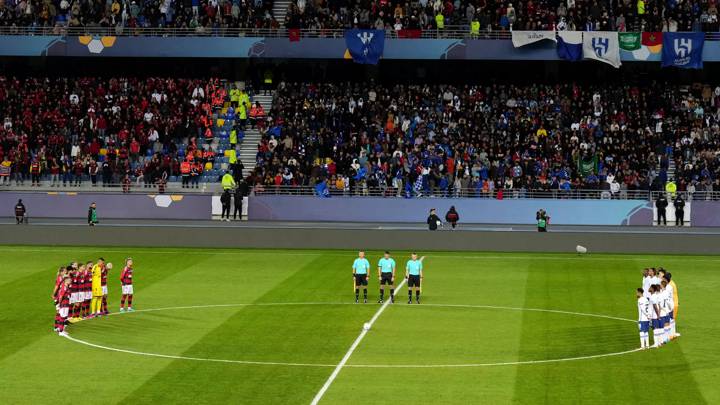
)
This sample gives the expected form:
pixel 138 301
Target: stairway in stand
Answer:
pixel 279 10
pixel 248 146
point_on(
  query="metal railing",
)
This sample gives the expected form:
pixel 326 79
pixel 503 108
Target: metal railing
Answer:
pixel 391 192
pixel 455 31
pixel 135 187
pixel 449 32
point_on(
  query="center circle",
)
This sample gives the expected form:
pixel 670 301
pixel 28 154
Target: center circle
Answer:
pixel 470 335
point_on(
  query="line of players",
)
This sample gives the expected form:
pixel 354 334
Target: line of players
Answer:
pixel 658 306
pixel 81 292
pixel 386 276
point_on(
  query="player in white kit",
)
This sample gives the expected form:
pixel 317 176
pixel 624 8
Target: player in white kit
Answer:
pixel 643 303
pixel 646 282
pixel 655 317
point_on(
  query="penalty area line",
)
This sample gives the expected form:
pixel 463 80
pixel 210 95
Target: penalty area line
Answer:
pixel 352 348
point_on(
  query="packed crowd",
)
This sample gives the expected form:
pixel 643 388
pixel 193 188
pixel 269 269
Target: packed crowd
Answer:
pixel 107 131
pixel 628 15
pixel 488 139
pixel 209 16
pixel 203 16
pixel 81 292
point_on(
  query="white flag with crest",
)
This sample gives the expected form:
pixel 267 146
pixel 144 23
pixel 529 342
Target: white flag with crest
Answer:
pixel 602 46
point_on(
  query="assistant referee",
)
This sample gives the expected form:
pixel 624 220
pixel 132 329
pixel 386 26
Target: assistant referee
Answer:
pixel 361 268
pixel 414 275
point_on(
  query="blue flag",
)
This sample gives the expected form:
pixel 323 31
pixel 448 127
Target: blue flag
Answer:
pixel 570 45
pixel 683 49
pixel 365 46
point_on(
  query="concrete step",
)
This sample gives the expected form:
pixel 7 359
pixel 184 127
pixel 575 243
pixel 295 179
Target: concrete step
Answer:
pixel 279 11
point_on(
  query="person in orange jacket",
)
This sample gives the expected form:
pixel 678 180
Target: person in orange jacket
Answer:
pixel 185 169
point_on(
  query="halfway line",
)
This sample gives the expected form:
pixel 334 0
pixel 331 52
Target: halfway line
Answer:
pixel 350 351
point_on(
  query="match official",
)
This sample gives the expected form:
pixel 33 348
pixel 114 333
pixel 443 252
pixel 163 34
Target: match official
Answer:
pixel 386 275
pixel 361 269
pixel 414 275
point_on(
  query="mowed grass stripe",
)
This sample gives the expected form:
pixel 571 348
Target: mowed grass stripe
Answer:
pixel 27 304
pixel 622 379
pixel 34 353
pixel 439 335
pixel 317 334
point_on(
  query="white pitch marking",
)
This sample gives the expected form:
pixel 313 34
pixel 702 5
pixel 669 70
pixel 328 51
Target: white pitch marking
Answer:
pixel 352 348
pixel 507 363
pixel 268 363
pixel 167 356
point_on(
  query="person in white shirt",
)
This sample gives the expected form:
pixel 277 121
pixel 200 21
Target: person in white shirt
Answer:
pixel 654 279
pixel 643 318
pixel 646 282
pixel 655 316
pixel 664 313
pixel 669 303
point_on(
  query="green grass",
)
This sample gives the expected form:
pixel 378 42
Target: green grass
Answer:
pixel 37 366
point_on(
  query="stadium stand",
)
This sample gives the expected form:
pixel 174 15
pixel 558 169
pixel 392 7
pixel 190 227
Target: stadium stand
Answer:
pixel 362 137
pixel 405 18
pixel 63 131
pixel 202 16
pixel 444 140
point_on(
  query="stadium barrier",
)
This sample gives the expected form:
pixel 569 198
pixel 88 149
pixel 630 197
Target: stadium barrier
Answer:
pixel 109 205
pixel 471 210
pixel 456 31
pixel 448 44
pixel 449 32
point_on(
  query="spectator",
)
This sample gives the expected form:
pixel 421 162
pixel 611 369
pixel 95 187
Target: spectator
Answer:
pixel 20 212
pixel 452 217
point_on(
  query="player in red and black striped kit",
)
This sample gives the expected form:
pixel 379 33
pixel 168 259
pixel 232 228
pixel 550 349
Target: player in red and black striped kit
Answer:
pixel 63 306
pixel 75 288
pixel 58 282
pixel 127 287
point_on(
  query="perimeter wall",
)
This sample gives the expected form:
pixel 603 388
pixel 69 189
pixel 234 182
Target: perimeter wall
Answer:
pixel 346 209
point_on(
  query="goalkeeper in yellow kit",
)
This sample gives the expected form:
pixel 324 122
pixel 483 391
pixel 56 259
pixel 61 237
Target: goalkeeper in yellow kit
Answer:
pixel 97 292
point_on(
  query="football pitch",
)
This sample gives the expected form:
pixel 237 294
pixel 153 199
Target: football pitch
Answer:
pixel 267 327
